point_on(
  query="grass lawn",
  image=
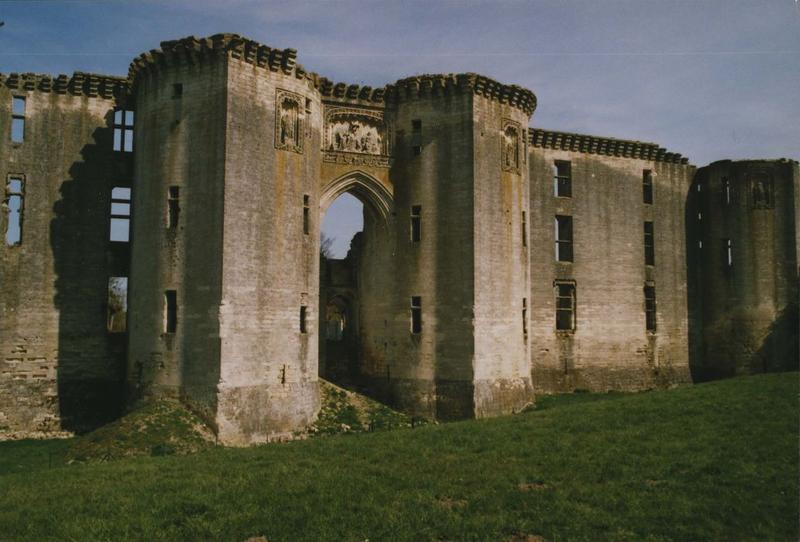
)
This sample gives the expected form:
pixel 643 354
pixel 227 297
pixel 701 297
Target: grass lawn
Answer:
pixel 714 461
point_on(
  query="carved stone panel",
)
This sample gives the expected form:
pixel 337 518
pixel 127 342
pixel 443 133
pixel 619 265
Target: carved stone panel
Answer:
pixel 289 121
pixel 356 136
pixel 761 194
pixel 511 151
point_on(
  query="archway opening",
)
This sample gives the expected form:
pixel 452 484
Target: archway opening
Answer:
pixel 355 263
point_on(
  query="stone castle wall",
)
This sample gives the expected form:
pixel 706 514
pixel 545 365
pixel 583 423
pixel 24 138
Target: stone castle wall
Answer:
pixel 238 152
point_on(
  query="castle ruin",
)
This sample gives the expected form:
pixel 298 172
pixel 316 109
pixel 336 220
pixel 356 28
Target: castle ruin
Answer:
pixel 162 237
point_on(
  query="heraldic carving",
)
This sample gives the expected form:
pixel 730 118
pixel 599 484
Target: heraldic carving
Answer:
pixel 512 148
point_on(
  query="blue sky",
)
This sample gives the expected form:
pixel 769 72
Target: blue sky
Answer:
pixel 710 79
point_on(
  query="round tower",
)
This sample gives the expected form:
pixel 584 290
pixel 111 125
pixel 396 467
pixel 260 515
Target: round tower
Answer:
pixel 743 267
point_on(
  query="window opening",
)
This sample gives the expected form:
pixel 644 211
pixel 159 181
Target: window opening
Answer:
pixel 123 130
pixel 306 215
pixel 173 207
pixel 565 306
pixel 119 230
pixel 17 119
pixel 170 311
pixel 416 314
pixel 416 136
pixel 117 314
pixel 649 244
pixel 650 307
pixel 303 319
pixel 564 238
pixel 647 186
pixel 562 178
pixel 14 204
pixel 416 223
pixel 524 230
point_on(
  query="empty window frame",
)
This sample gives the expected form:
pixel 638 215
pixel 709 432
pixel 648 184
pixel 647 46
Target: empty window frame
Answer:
pixel 650 307
pixel 416 136
pixel 416 223
pixel 647 186
pixel 562 178
pixel 564 238
pixel 177 91
pixel 120 223
pixel 306 214
pixel 117 304
pixel 17 119
pixel 649 244
pixel 303 319
pixel 14 204
pixel 565 306
pixel 123 130
pixel 728 256
pixel 170 311
pixel 416 314
pixel 726 191
pixel 173 207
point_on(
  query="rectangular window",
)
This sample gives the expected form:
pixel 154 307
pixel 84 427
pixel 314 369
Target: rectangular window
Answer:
pixel 649 244
pixel 306 215
pixel 416 223
pixel 416 314
pixel 650 307
pixel 525 316
pixel 14 205
pixel 120 227
pixel 729 252
pixel 170 311
pixel 564 238
pixel 173 207
pixel 123 130
pixel 726 191
pixel 524 230
pixel 303 318
pixel 17 119
pixel 177 90
pixel 565 306
pixel 647 186
pixel 117 313
pixel 416 136
pixel 562 178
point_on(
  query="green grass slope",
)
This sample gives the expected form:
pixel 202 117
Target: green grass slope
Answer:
pixel 715 461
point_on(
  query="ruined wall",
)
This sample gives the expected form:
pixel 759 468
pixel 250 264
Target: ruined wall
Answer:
pixel 744 295
pixel 610 346
pixel 59 367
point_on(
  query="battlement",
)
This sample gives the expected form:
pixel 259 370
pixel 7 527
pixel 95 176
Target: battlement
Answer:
pixel 191 49
pixel 442 84
pixel 78 84
pixel 589 144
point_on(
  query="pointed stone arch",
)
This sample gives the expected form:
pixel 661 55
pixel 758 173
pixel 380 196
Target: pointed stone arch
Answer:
pixel 377 197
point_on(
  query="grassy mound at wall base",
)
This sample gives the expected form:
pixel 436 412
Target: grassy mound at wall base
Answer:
pixel 714 461
pixel 159 428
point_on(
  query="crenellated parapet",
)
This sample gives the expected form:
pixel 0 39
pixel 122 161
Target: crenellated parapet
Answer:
pixel 443 84
pixel 602 145
pixel 356 94
pixel 78 84
pixel 192 50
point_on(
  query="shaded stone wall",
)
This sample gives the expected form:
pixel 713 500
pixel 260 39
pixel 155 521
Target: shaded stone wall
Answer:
pixel 743 296
pixel 610 347
pixel 59 367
